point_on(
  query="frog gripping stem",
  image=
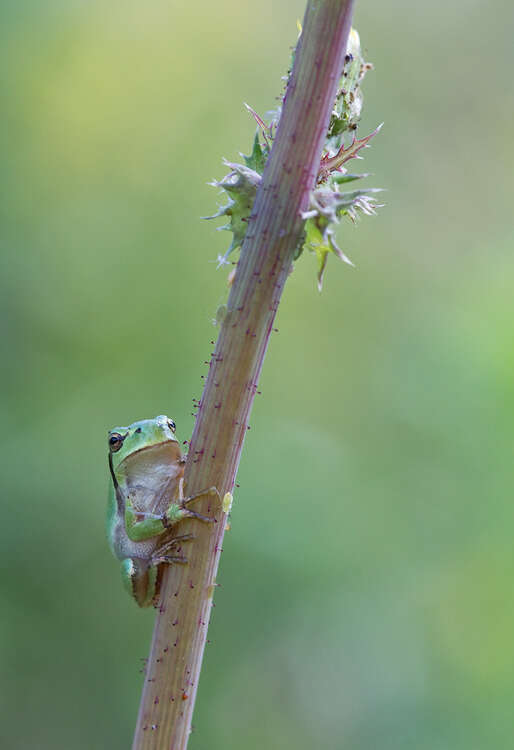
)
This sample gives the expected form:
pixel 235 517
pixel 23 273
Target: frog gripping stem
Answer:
pixel 272 236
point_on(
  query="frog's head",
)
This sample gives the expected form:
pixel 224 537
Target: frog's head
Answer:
pixel 141 436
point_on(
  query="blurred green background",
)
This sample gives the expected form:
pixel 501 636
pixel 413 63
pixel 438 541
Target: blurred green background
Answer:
pixel 367 581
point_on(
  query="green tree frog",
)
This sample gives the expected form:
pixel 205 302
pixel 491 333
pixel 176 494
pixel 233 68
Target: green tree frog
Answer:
pixel 146 501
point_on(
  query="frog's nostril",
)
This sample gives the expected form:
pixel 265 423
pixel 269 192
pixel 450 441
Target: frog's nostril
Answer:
pixel 138 430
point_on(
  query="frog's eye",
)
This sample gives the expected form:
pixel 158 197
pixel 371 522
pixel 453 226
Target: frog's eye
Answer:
pixel 115 442
pixel 172 425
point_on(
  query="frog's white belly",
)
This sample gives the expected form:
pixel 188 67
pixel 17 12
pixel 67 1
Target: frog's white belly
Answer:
pixel 150 483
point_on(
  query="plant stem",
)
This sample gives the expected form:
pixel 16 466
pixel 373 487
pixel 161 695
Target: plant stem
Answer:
pixel 273 233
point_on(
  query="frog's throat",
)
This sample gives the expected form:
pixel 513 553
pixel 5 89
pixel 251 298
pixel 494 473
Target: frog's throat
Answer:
pixel 149 448
pixel 139 451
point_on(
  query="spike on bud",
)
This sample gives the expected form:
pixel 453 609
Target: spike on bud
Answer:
pixel 334 163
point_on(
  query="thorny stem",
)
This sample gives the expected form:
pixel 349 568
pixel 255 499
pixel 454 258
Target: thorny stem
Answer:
pixel 273 234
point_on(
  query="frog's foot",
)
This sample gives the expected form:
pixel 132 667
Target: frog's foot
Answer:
pixel 204 493
pixel 211 492
pixel 178 511
pixel 166 554
pixel 164 549
pixel 168 559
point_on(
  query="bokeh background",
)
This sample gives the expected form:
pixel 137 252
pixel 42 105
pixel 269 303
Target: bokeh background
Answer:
pixel 367 581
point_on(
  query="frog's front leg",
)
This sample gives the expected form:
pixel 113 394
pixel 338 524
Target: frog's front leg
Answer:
pixel 141 525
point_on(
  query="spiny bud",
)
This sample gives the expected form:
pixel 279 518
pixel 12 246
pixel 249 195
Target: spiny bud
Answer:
pixel 241 186
pixel 327 204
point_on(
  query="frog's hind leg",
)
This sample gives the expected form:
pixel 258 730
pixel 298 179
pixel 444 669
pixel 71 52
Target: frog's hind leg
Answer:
pixel 140 580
